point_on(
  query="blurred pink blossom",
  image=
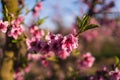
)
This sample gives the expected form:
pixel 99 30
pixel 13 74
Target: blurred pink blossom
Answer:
pixel 34 57
pixel 36 32
pixel 3 26
pixel 115 75
pixel 87 60
pixel 69 43
pixel 63 54
pixel 16 28
pixel 37 8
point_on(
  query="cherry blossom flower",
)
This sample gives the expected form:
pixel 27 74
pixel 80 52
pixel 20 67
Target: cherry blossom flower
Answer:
pixel 50 36
pixel 19 20
pixel 33 44
pixel 87 60
pixel 3 26
pixel 115 75
pixel 63 54
pixel 27 69
pixel 37 8
pixel 19 75
pixel 36 32
pixel 15 31
pixel 16 28
pixel 69 43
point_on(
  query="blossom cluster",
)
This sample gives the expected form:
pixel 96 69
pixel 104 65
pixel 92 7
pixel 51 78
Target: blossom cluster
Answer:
pixel 47 43
pixel 14 29
pixel 61 45
pixel 105 74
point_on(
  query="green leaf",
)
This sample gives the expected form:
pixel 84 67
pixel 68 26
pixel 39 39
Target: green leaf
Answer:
pixel 52 59
pixel 27 10
pixel 41 21
pixel 6 11
pixel 117 61
pixel 84 24
pixel 85 21
pixel 78 22
pixel 90 26
pixel 14 41
pixel 70 68
pixel 118 66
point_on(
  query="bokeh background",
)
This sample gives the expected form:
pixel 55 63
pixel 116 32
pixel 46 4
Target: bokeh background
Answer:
pixel 103 42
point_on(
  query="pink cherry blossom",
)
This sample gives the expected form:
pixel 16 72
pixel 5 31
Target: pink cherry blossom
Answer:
pixel 36 32
pixel 63 54
pixel 15 31
pixel 19 75
pixel 45 47
pixel 61 46
pixel 44 60
pixel 87 60
pixel 3 26
pixel 27 69
pixel 115 75
pixel 37 45
pixel 50 36
pixel 55 46
pixel 56 43
pixel 44 63
pixel 33 44
pixel 16 28
pixel 37 8
pixel 69 43
pixel 74 30
pixel 19 20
